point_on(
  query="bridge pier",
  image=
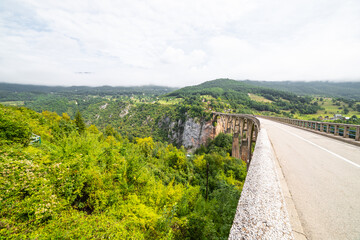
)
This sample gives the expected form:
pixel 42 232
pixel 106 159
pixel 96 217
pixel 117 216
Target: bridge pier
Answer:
pixel 235 146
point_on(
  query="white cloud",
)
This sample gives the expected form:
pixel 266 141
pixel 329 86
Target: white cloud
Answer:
pixel 133 42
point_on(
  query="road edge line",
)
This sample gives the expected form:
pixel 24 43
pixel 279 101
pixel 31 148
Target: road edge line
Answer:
pixel 296 225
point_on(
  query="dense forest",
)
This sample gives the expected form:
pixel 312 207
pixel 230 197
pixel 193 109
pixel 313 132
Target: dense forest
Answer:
pixel 347 90
pixel 79 182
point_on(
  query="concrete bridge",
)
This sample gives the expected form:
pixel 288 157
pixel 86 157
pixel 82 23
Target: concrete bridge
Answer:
pixel 300 184
pixel 244 128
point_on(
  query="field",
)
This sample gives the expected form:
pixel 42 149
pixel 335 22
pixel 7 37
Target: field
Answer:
pixel 169 101
pixel 329 108
pixel 13 103
pixel 258 98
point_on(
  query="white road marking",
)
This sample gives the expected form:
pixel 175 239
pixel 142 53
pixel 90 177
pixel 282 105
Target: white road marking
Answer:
pixel 336 155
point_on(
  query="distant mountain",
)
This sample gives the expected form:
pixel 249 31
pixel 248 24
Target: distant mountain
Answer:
pixel 223 87
pixel 349 90
pixel 82 89
pixel 9 91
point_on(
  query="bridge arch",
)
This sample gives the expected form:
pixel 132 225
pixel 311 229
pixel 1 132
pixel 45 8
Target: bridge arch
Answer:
pixel 244 128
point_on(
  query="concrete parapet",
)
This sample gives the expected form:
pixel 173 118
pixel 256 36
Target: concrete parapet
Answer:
pixel 261 212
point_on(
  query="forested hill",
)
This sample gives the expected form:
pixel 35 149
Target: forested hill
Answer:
pixel 350 90
pixel 11 92
pixel 240 95
pixel 221 87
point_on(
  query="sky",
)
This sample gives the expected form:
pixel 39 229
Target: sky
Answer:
pixel 177 43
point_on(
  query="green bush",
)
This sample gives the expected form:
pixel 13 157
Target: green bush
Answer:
pixel 13 129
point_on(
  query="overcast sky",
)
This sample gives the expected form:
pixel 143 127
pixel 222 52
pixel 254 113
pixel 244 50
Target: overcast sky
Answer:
pixel 177 42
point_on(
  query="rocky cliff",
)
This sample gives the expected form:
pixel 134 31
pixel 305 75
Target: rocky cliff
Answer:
pixel 190 133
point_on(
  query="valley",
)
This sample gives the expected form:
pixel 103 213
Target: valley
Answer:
pixel 138 163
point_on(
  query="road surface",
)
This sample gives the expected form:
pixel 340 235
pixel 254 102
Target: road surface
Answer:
pixel 323 177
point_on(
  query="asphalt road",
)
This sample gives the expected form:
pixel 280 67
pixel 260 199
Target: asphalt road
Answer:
pixel 323 177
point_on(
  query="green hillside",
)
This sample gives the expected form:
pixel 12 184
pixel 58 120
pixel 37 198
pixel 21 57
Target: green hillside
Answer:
pixel 81 183
pixel 349 90
pixel 141 111
pixel 15 92
pixel 236 93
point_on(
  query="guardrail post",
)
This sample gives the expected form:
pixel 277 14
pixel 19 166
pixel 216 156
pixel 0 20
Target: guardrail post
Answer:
pixel 336 130
pixel 328 128
pixel 357 135
pixel 345 131
pixel 321 127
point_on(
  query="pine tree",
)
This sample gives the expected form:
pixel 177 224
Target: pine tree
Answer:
pixel 79 122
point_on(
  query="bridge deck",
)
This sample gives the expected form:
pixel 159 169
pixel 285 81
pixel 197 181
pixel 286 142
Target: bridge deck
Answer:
pixel 323 176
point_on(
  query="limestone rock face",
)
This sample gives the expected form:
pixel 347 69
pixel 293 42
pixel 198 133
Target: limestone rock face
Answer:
pixel 207 131
pixel 191 133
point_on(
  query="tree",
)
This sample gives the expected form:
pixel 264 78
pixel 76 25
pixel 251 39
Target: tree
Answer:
pixel 14 129
pixel 110 131
pixel 79 122
pixel 358 107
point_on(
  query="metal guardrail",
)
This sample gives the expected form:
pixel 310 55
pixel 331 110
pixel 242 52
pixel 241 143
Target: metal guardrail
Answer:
pixel 337 129
pixel 35 139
